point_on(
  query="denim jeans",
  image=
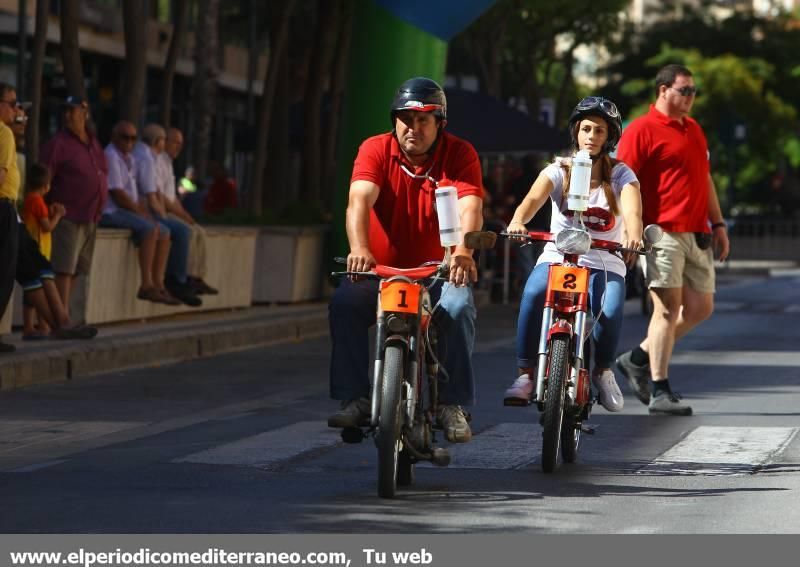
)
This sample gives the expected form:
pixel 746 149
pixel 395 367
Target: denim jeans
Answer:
pixel 608 324
pixel 180 236
pixel 352 312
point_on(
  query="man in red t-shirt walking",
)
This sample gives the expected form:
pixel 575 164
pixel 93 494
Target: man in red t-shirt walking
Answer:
pixel 668 152
pixel 391 220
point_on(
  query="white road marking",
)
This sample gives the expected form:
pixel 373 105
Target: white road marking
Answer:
pixel 711 450
pixel 266 450
pixel 502 446
pixel 736 358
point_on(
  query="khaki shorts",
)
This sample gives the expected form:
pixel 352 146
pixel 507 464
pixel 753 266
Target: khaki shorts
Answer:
pixel 73 247
pixel 677 261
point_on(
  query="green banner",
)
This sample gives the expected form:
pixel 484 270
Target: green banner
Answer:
pixel 385 51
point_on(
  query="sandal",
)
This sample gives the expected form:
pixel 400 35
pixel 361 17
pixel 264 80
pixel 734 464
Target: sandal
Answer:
pixel 167 298
pixel 149 294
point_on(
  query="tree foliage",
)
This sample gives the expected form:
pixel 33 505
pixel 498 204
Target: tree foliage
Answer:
pixel 746 70
pixel 524 49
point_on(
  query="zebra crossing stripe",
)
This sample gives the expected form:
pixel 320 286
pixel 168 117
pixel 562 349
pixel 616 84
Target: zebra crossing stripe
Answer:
pixel 502 446
pixel 711 450
pixel 269 449
pixel 736 358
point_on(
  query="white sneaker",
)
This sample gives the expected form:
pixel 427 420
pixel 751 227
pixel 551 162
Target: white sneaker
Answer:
pixel 520 391
pixel 609 393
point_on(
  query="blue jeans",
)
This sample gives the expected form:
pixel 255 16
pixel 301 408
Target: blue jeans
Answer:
pixel 352 312
pixel 180 235
pixel 608 324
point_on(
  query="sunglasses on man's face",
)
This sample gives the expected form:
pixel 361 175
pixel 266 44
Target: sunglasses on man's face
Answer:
pixel 687 91
pixel 128 137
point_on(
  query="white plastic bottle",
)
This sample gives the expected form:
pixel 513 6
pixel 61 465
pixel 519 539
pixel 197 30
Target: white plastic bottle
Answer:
pixel 449 220
pixel 579 182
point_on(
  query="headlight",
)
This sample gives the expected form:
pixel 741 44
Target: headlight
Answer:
pixel 573 241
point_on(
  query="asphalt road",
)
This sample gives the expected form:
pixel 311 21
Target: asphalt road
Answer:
pixel 238 444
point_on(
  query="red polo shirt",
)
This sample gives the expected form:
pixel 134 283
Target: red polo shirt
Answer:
pixel 403 226
pixel 670 158
pixel 79 176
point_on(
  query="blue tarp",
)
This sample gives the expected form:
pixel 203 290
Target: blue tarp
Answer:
pixel 441 18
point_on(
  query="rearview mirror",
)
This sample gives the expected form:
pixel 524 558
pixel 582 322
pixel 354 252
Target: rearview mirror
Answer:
pixel 480 239
pixel 653 233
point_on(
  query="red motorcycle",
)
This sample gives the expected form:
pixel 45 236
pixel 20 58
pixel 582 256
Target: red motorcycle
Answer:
pixel 562 391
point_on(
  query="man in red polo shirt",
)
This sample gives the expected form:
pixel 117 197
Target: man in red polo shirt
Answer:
pixel 668 152
pixel 391 220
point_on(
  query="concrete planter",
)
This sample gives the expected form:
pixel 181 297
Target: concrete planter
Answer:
pixel 289 262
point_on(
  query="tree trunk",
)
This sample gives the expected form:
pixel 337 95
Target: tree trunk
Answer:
pixel 37 66
pixel 205 82
pixel 561 101
pixel 280 164
pixel 278 43
pixel 337 90
pixel 180 22
pixel 319 70
pixel 134 73
pixel 70 48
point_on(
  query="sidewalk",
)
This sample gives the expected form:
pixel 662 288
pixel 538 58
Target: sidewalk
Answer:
pixel 158 341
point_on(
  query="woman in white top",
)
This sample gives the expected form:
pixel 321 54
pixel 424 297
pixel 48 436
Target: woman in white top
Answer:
pixel 614 213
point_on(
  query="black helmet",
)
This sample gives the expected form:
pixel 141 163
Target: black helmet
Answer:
pixel 422 94
pixel 605 109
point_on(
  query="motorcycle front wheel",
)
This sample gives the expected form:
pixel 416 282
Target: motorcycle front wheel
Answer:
pixel 554 401
pixel 389 436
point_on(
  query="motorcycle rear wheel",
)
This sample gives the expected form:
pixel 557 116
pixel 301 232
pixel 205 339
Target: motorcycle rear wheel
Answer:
pixel 554 401
pixel 389 436
pixel 405 469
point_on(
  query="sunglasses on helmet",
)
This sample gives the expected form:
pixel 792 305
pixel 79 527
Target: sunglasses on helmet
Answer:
pixel 591 102
pixel 687 90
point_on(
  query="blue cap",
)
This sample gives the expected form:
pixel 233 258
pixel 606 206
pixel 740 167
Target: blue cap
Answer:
pixel 74 101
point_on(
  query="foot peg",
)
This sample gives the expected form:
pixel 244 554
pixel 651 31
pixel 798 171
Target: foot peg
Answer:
pixel 586 429
pixel 516 402
pixel 352 435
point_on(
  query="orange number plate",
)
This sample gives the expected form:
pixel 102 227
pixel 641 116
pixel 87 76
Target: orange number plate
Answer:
pixel 400 297
pixel 564 278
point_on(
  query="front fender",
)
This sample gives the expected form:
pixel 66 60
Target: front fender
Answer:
pixel 560 327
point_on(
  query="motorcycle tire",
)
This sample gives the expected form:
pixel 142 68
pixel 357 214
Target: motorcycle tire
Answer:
pixel 405 469
pixel 389 436
pixel 570 439
pixel 554 401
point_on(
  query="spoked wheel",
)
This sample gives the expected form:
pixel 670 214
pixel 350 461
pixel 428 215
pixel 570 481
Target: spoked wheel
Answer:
pixel 405 469
pixel 554 401
pixel 389 436
pixel 570 438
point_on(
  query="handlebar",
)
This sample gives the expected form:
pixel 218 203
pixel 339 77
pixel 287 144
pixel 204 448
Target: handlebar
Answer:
pixel 426 270
pixel 597 244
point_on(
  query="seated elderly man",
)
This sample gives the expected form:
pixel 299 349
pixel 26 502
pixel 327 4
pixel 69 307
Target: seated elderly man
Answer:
pixel 146 153
pixel 126 208
pixel 197 266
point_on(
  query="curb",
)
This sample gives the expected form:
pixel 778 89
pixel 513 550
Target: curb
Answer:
pixel 165 347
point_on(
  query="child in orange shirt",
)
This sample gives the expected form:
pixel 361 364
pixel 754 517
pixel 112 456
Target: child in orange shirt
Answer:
pixel 40 220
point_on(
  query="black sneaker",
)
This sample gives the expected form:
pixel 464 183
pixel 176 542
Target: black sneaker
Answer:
pixel 353 413
pixel 638 376
pixel 668 403
pixel 185 294
pixel 200 287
